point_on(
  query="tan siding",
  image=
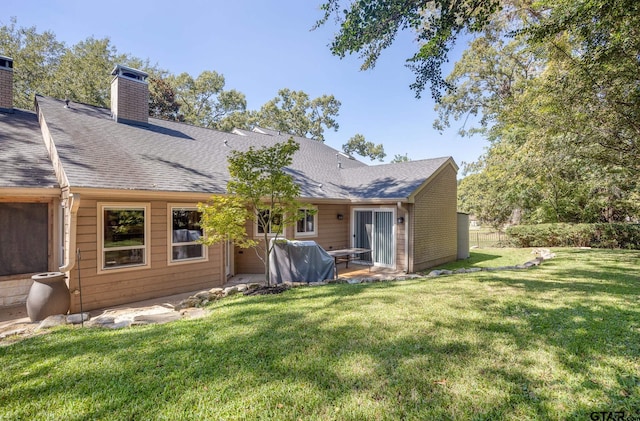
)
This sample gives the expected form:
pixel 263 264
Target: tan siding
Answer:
pixel 123 286
pixel 333 234
pixel 435 221
pixel 401 229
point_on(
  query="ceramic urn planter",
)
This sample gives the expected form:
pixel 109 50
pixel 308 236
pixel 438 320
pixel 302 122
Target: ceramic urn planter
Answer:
pixel 48 295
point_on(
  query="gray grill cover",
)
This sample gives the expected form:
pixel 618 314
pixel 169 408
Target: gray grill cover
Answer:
pixel 299 261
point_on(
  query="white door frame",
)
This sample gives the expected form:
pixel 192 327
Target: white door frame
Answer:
pixel 392 210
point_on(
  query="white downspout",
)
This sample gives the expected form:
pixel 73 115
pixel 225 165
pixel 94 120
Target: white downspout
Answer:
pixel 70 255
pixel 406 236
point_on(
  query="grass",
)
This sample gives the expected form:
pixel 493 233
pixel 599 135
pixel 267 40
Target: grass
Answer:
pixel 491 257
pixel 554 342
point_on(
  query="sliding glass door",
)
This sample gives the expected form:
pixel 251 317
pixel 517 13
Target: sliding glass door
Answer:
pixel 374 229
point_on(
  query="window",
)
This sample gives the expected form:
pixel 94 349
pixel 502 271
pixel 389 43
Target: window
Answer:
pixel 24 231
pixel 272 227
pixel 123 242
pixel 307 224
pixel 185 234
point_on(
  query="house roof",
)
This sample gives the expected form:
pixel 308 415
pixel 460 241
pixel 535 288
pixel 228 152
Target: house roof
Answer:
pixel 391 181
pixel 97 152
pixel 23 157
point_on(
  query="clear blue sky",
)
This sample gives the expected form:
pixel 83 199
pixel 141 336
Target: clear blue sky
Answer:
pixel 260 47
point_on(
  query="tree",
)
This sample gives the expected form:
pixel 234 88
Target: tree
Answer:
pixel 294 112
pixel 162 100
pixel 36 58
pixel 359 145
pixel 400 158
pixel 260 190
pixel 369 26
pixel 84 72
pixel 203 100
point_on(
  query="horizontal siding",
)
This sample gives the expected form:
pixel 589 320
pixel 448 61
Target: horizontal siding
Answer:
pixel 123 286
pixel 435 221
pixel 401 229
pixel 333 234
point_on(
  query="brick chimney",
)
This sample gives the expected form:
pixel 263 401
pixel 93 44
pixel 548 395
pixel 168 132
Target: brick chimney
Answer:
pixel 129 96
pixel 6 84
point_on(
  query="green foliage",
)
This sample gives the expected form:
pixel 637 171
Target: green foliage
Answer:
pixel 601 235
pixel 359 145
pixel 203 100
pixel 400 158
pixel 368 27
pixel 162 100
pixel 546 161
pixel 260 189
pixel 224 218
pixel 36 58
pixel 294 112
pixel 81 73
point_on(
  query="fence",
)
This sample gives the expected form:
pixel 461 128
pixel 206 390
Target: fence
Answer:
pixel 482 239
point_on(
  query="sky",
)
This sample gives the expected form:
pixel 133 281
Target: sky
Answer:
pixel 260 47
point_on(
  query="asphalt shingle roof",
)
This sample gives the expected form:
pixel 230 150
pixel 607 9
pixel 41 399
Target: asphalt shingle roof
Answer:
pixel 24 161
pixel 168 156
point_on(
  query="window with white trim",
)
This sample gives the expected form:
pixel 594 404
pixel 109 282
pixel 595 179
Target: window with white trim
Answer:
pixel 307 225
pixel 125 234
pixel 272 226
pixel 185 235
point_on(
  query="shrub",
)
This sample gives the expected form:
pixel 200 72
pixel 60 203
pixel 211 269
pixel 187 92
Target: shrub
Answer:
pixel 601 235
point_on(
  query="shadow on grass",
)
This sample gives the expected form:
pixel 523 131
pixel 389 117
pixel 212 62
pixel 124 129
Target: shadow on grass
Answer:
pixel 438 349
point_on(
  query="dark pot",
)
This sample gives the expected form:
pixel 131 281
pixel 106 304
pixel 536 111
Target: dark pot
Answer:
pixel 48 295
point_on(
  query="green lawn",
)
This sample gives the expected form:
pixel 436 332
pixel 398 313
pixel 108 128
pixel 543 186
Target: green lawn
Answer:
pixel 554 342
pixel 492 257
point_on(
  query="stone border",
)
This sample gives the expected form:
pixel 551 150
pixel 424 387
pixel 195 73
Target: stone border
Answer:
pixel 543 254
pixel 192 307
pixel 205 297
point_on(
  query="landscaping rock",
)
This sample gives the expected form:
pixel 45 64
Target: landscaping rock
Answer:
pixel 461 270
pixel 354 281
pixel 119 325
pixel 230 291
pixel 156 318
pixel 189 302
pixel 102 321
pixel 77 318
pixel 202 295
pixel 472 270
pixel 14 332
pixel 434 273
pixel 193 313
pixel 53 321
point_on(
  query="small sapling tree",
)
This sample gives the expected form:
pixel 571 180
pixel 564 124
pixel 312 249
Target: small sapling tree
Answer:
pixel 261 191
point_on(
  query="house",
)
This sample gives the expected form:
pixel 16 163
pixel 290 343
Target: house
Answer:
pixel 114 195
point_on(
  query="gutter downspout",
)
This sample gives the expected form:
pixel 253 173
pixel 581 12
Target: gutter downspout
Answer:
pixel 406 236
pixel 72 221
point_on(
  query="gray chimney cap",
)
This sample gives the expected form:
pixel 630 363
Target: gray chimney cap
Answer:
pixel 129 72
pixel 6 62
